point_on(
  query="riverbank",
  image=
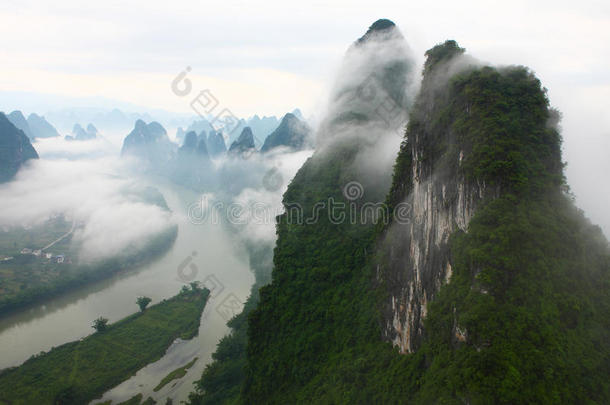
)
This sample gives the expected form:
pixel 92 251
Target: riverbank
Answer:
pixel 80 371
pixel 34 281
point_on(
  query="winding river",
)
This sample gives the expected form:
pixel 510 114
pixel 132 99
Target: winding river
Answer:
pixel 218 261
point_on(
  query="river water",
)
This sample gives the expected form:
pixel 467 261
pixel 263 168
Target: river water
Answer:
pixel 219 262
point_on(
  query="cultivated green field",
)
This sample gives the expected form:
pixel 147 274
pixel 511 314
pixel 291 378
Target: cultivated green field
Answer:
pixel 80 371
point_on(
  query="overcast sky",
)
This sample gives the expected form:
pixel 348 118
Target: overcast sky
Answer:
pixel 272 57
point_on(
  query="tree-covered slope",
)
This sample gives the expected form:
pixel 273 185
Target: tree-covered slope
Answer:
pixel 350 133
pixel 522 313
pixel 320 306
pixel 522 317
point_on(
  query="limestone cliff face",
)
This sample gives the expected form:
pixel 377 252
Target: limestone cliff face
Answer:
pixel 419 257
pixel 432 199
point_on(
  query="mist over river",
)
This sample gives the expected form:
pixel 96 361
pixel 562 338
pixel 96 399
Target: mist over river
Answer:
pixel 219 256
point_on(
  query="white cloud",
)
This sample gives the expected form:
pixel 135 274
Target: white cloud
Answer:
pixel 260 204
pixel 269 58
pixel 93 193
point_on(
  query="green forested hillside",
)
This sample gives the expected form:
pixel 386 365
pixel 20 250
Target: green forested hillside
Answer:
pixel 529 290
pixel 78 372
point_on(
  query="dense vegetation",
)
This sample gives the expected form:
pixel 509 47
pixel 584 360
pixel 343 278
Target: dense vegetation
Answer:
pixel 80 371
pixel 529 289
pixel 306 316
pixel 135 400
pixel 223 377
pixel 26 280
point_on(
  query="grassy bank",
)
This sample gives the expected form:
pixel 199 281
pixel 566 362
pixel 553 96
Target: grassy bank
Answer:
pixel 78 372
pixel 175 375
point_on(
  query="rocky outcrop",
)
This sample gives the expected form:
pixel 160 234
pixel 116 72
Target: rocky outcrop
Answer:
pixel 149 142
pixel 261 127
pixel 216 144
pixel 92 130
pixel 244 145
pixel 292 133
pixel 80 134
pixel 418 257
pixel 190 141
pixel 432 198
pixel 40 127
pixel 15 149
pixel 18 120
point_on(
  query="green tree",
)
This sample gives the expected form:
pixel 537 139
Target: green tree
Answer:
pixel 143 302
pixel 65 396
pixel 100 324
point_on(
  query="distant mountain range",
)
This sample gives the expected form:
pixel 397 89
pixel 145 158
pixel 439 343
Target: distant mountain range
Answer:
pixel 191 163
pixel 35 126
pixel 80 134
pixel 260 127
pixel 291 132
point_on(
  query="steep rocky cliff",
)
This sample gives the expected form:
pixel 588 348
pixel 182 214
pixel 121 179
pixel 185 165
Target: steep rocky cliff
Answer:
pixel 448 166
pixel 436 199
